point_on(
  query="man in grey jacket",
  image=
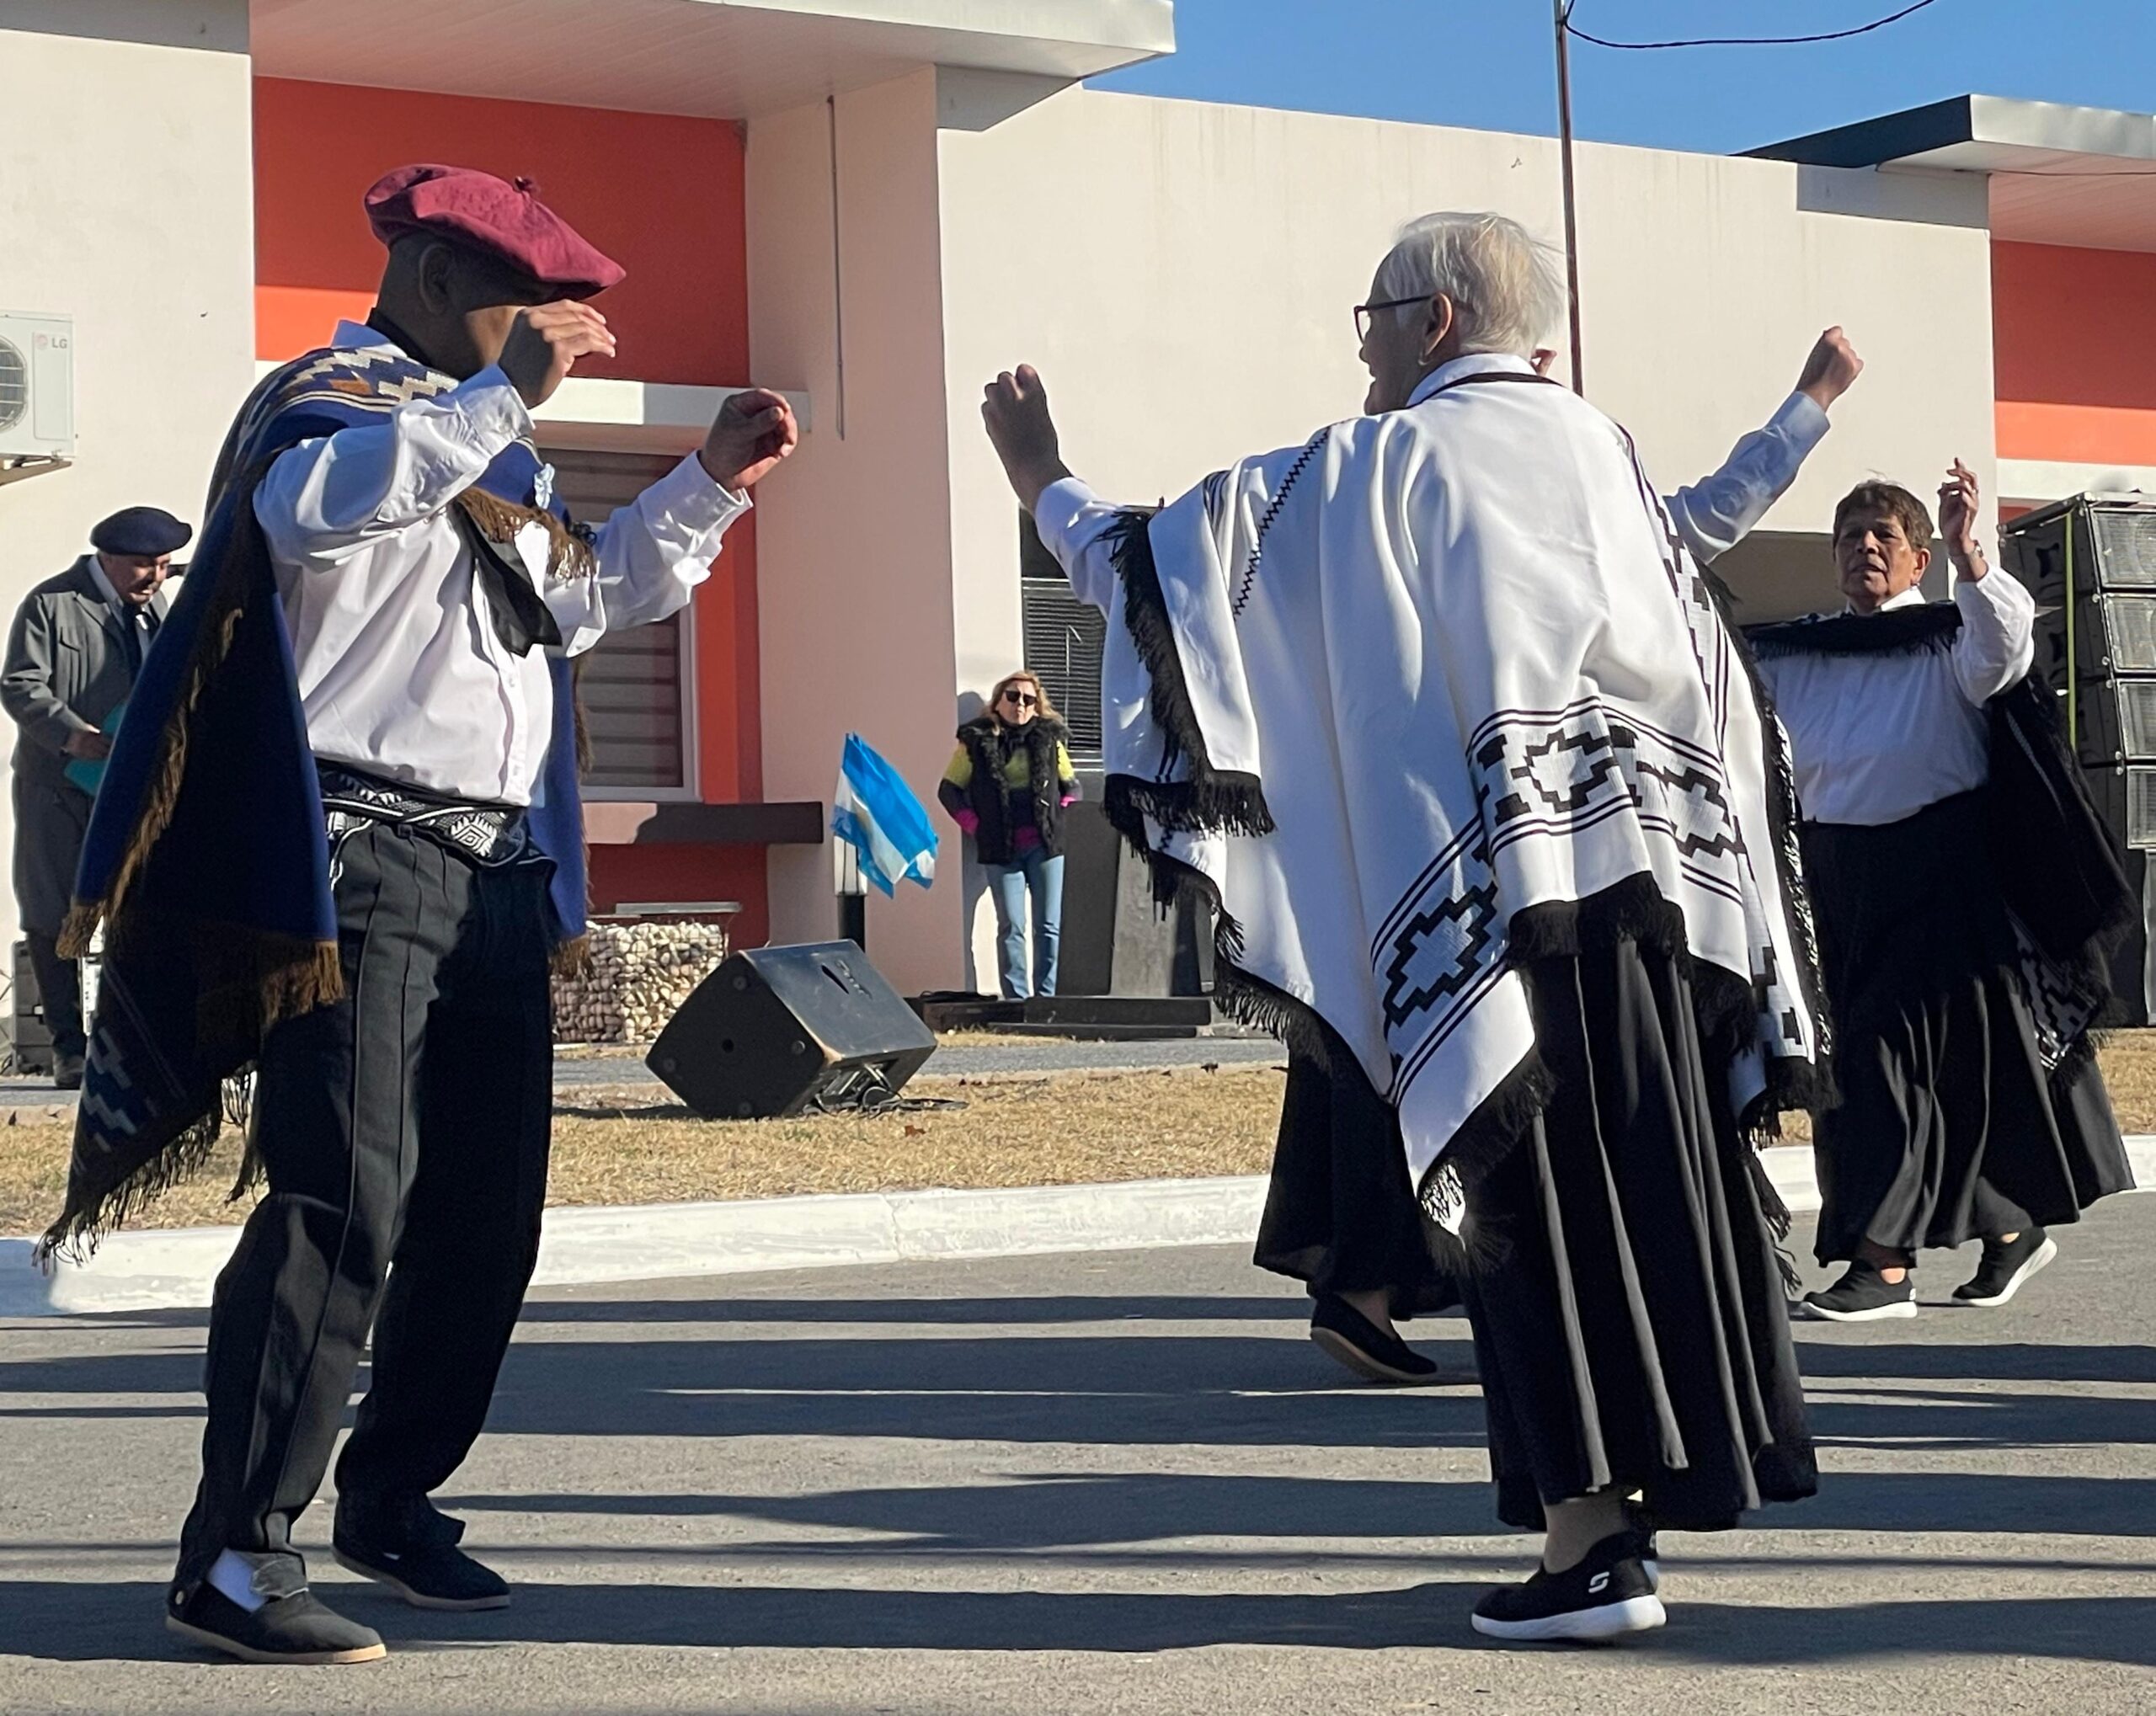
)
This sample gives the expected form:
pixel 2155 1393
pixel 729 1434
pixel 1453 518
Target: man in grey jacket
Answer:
pixel 73 651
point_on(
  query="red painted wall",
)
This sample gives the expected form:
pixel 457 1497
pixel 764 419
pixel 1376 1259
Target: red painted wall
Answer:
pixel 2075 369
pixel 662 195
pixel 620 873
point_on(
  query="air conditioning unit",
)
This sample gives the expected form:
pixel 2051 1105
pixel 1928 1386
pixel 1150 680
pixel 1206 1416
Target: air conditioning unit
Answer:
pixel 37 387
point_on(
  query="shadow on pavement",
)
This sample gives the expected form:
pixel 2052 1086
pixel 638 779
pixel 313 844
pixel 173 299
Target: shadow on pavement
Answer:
pixel 60 1621
pixel 1050 1512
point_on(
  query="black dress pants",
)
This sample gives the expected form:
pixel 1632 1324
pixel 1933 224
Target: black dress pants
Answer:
pixel 60 993
pixel 404 1134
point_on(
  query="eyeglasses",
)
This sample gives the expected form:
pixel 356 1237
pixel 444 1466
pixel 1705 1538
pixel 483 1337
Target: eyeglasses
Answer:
pixel 1363 312
pixel 1013 695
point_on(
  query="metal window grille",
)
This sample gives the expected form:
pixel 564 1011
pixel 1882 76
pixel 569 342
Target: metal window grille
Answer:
pixel 634 684
pixel 1064 639
pixel 14 385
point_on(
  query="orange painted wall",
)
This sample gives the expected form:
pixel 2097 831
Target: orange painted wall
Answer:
pixel 664 196
pixel 2075 371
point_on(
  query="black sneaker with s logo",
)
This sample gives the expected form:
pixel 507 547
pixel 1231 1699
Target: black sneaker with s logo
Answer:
pixel 1606 1596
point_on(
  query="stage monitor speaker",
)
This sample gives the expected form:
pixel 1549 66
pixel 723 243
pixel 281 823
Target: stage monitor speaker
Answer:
pixel 776 1030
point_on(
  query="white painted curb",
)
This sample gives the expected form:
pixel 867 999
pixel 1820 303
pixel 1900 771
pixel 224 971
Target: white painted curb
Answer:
pixel 176 1268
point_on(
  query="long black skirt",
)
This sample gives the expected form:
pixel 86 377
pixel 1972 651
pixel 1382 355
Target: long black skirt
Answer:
pixel 1950 1126
pixel 1630 1314
pixel 1340 1213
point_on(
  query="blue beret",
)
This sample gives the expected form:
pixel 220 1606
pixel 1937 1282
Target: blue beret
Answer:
pixel 143 530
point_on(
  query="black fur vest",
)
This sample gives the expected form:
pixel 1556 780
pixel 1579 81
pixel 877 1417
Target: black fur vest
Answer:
pixel 991 744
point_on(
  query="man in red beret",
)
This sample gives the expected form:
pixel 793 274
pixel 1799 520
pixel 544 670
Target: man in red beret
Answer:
pixel 373 848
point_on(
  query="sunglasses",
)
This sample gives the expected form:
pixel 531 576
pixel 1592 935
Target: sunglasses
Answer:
pixel 1025 698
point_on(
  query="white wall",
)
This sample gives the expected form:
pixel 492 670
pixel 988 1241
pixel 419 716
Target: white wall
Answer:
pixel 127 200
pixel 1182 273
pixel 853 537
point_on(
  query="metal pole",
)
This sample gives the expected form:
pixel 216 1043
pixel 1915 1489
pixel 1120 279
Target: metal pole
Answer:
pixel 1563 9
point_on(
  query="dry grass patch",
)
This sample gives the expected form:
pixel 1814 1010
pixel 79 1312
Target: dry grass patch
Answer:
pixel 1057 1129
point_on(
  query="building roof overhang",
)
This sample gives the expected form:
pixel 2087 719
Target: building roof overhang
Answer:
pixel 725 59
pixel 2081 176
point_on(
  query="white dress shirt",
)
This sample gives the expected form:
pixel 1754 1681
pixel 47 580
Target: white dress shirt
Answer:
pixel 1717 513
pixel 1874 739
pixel 1713 515
pixel 400 671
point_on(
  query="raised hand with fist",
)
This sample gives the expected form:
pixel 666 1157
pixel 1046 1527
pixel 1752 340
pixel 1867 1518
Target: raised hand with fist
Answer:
pixel 753 430
pixel 1014 406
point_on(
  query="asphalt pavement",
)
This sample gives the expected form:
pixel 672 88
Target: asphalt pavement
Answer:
pixel 1119 1482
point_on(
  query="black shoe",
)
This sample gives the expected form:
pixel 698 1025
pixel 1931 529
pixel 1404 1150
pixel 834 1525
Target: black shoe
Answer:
pixel 1862 1295
pixel 1606 1595
pixel 1365 1348
pixel 2004 1267
pixel 1643 1545
pixel 67 1073
pixel 412 1550
pixel 296 1629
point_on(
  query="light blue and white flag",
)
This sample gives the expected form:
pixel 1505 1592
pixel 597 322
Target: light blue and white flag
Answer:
pixel 876 813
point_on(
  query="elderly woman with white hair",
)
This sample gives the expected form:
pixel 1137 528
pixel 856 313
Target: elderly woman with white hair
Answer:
pixel 1439 712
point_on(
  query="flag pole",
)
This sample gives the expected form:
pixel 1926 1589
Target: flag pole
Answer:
pixel 1563 10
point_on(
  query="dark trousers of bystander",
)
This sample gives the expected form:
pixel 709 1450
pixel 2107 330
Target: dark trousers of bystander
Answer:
pixel 59 994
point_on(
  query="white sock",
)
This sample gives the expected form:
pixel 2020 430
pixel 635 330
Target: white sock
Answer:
pixel 232 1577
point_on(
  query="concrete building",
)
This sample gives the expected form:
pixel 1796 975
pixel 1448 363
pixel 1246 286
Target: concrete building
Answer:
pixel 875 206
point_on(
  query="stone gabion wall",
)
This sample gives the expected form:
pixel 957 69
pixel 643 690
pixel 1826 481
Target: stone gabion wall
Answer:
pixel 639 973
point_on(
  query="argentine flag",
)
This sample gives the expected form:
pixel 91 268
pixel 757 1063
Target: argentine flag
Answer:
pixel 876 813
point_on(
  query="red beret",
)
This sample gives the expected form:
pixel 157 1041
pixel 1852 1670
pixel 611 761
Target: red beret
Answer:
pixel 504 220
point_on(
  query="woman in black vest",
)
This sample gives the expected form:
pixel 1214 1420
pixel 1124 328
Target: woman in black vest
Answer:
pixel 1007 787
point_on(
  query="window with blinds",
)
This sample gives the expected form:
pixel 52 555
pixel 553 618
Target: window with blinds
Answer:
pixel 634 683
pixel 1064 638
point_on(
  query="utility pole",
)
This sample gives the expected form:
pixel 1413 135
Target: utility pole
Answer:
pixel 1563 10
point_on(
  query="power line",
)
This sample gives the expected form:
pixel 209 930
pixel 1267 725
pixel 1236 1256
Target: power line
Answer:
pixel 1751 42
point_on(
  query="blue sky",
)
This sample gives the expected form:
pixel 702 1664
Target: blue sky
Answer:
pixel 1489 63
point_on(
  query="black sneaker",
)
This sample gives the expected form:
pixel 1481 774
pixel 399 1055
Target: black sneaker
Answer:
pixel 2004 1267
pixel 67 1073
pixel 411 1548
pixel 297 1629
pixel 1608 1595
pixel 1643 1545
pixel 1365 1348
pixel 1862 1295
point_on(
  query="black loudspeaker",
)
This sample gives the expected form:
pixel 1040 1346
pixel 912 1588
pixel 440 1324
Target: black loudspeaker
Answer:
pixel 2091 564
pixel 778 1030
pixel 32 1041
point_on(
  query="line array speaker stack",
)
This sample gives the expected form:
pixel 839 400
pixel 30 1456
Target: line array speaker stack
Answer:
pixel 777 1030
pixel 2091 563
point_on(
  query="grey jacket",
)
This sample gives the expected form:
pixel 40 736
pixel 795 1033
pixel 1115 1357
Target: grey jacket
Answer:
pixel 66 670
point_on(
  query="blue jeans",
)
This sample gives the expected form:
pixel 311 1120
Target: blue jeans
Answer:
pixel 1034 870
